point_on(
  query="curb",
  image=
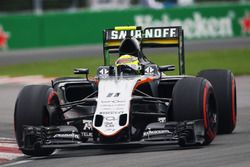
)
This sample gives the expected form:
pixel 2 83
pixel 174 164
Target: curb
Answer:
pixel 8 150
pixel 25 80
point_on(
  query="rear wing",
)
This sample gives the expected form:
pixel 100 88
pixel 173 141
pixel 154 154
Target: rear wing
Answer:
pixel 148 37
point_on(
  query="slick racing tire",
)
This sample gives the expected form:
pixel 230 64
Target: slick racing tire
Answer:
pixel 193 99
pixel 224 85
pixel 30 109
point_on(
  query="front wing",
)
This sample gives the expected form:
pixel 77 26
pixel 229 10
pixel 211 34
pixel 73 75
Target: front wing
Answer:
pixel 187 133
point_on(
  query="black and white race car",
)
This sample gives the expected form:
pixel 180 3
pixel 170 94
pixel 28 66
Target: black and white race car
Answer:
pixel 126 106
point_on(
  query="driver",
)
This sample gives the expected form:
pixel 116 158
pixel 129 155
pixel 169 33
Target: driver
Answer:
pixel 128 64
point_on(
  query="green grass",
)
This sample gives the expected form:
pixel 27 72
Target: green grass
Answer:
pixel 237 60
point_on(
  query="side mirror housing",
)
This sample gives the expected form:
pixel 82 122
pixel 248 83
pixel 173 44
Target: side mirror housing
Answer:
pixel 166 68
pixel 81 71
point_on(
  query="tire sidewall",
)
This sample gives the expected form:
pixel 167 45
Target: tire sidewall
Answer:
pixel 191 97
pixel 224 85
pixel 31 109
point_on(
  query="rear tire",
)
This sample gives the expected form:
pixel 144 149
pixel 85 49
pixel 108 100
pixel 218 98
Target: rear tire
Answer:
pixel 224 86
pixel 30 109
pixel 193 99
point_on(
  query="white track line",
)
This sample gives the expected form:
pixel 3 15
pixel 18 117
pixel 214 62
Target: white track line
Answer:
pixel 4 139
pixel 11 145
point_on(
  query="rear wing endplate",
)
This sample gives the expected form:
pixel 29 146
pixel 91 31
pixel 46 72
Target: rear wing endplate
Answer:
pixel 148 37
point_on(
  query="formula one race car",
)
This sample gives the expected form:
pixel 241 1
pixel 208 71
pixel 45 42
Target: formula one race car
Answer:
pixel 132 102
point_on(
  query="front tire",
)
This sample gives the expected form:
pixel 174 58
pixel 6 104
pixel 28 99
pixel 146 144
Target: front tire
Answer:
pixel 30 109
pixel 224 86
pixel 193 98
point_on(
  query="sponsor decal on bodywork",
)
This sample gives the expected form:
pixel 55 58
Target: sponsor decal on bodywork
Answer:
pixel 149 33
pixel 87 128
pixel 150 132
pixel 70 136
pixel 112 103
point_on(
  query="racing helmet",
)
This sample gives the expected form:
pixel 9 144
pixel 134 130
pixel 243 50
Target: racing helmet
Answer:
pixel 129 46
pixel 128 64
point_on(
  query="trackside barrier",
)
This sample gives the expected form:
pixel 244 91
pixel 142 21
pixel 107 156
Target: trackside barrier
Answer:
pixel 85 27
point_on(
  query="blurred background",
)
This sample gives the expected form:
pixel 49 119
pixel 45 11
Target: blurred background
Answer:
pixel 41 6
pixel 34 31
pixel 50 23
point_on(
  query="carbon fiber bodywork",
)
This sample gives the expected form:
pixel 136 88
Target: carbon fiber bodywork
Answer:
pixel 188 133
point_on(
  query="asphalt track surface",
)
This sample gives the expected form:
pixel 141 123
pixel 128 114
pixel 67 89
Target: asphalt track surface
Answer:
pixel 34 55
pixel 226 150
